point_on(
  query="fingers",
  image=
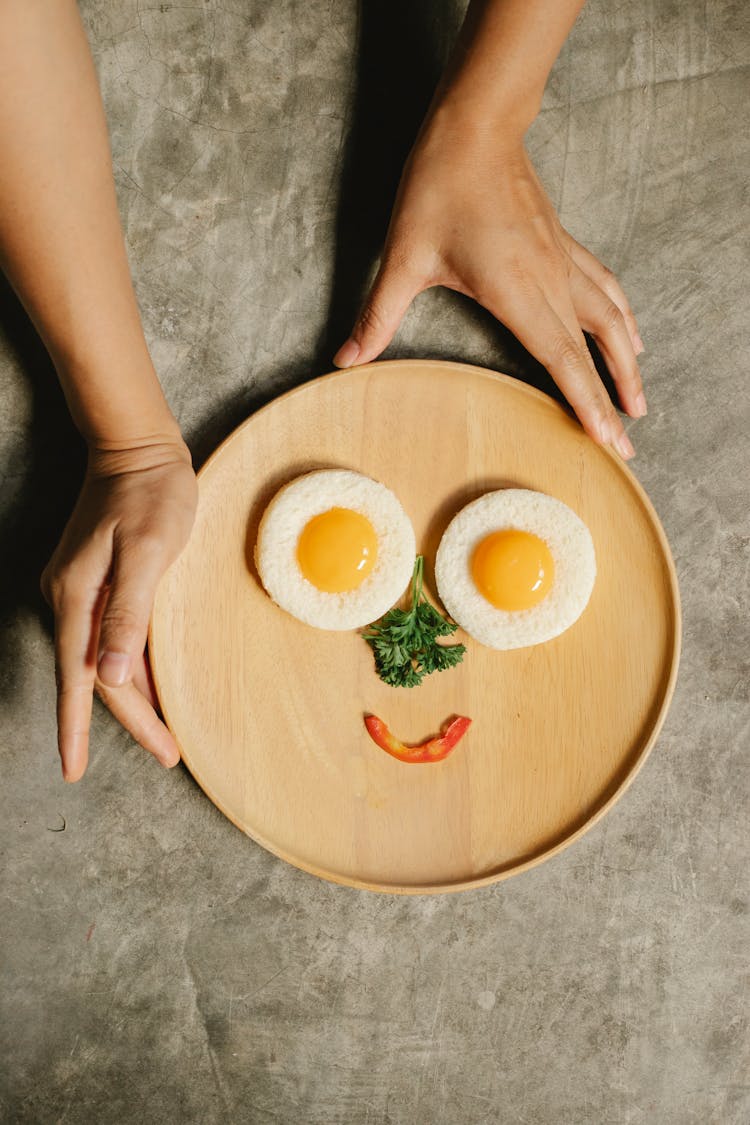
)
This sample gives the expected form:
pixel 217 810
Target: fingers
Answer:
pixel 393 290
pixel 88 616
pixel 136 714
pixel 77 626
pixel 75 599
pixel 608 283
pixel 77 608
pixel 559 344
pixel 124 627
pixel 138 566
pixel 143 680
pixel 600 316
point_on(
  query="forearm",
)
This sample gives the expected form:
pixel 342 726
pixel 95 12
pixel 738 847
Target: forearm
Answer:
pixel 502 60
pixel 61 244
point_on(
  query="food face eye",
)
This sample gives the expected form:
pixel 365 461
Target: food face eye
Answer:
pixel 515 568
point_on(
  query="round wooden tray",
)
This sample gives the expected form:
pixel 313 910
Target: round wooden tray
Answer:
pixel 268 712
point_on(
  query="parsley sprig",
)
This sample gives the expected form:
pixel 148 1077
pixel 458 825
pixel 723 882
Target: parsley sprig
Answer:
pixel 405 642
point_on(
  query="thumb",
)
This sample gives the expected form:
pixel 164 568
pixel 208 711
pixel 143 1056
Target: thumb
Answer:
pixel 393 290
pixel 136 572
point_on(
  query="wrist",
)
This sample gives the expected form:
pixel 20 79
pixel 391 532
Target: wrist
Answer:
pixel 460 117
pixel 457 134
pixel 507 108
pixel 151 450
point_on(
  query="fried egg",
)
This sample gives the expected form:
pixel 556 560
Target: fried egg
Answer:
pixel 515 568
pixel 335 549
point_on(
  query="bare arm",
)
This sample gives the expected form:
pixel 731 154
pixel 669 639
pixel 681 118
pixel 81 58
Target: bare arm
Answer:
pixel 62 248
pixel 472 215
pixel 504 54
pixel 60 239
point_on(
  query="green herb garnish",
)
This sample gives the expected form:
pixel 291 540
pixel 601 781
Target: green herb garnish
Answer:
pixel 405 640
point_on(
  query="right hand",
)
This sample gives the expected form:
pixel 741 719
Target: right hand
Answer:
pixel 131 520
pixel 472 214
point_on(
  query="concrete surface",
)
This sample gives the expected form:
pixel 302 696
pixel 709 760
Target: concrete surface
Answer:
pixel 156 965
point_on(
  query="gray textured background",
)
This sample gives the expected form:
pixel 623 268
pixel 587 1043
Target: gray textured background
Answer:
pixel 158 966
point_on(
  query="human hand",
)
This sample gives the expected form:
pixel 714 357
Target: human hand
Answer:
pixel 131 520
pixel 472 215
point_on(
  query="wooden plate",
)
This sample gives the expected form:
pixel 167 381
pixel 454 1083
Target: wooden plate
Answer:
pixel 268 712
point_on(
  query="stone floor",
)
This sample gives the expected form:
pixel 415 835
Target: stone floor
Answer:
pixel 157 966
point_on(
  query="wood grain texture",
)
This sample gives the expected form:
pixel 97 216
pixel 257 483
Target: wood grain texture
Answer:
pixel 268 712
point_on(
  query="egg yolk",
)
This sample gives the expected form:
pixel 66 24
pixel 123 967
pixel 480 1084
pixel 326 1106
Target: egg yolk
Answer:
pixel 337 550
pixel 513 569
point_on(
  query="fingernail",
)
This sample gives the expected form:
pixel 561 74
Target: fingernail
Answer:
pixel 347 354
pixel 638 344
pixel 625 445
pixel 640 405
pixel 114 668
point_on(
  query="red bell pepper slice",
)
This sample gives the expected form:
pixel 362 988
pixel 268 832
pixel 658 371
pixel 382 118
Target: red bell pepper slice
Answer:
pixel 433 750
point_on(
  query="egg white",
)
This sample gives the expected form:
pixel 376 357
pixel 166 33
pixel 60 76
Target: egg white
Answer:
pixel 283 522
pixel 569 542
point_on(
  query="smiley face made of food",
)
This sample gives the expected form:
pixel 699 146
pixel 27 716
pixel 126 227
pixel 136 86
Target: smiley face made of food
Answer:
pixel 514 568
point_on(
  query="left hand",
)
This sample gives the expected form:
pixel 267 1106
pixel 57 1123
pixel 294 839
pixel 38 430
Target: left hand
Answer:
pixel 131 521
pixel 472 215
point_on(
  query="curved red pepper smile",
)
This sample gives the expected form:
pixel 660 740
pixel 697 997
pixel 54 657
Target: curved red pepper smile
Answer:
pixel 433 750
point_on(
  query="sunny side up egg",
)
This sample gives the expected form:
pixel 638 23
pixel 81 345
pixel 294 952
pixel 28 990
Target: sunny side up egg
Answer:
pixel 515 568
pixel 335 549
